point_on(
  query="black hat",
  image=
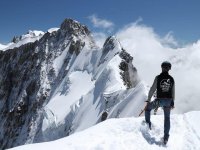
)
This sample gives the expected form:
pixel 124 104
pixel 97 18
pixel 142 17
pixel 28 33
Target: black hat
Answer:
pixel 166 65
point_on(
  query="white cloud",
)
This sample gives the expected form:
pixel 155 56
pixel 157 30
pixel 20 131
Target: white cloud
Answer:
pixel 150 50
pixel 169 40
pixel 105 26
pixel 140 19
pixel 100 38
pixel 101 23
pixel 145 46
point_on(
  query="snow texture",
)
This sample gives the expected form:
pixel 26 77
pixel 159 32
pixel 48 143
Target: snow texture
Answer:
pixel 53 29
pixel 131 133
pixel 30 37
pixel 61 103
pixel 2 46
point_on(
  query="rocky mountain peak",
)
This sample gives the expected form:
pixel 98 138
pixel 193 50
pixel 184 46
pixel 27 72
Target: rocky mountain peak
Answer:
pixel 74 27
pixel 110 43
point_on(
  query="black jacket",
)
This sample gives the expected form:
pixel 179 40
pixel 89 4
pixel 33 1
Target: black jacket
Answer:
pixel 164 86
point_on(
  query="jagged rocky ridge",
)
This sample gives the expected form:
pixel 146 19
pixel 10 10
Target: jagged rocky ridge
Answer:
pixel 34 73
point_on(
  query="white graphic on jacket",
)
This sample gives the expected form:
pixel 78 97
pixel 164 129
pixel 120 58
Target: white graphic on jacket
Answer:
pixel 165 85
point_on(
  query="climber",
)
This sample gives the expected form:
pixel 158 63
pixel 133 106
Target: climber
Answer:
pixel 164 86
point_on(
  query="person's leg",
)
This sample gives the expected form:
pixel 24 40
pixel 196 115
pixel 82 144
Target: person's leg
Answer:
pixel 166 122
pixel 165 103
pixel 150 106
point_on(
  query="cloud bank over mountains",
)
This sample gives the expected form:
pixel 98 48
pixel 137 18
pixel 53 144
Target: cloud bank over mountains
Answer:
pixel 150 50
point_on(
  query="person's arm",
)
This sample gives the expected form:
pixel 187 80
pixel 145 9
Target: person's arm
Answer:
pixel 152 89
pixel 173 96
pixel 173 92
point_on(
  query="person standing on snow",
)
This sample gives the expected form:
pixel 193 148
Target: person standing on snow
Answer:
pixel 164 86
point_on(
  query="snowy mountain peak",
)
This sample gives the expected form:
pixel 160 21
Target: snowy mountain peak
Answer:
pixel 30 37
pixel 53 30
pixel 2 46
pixel 110 43
pixel 35 33
pixel 74 27
pixel 30 34
pixel 110 48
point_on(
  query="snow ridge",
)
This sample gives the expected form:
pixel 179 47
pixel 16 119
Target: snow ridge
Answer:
pixel 131 133
pixel 29 37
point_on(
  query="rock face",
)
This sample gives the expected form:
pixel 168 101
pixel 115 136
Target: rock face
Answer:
pixel 31 74
pixel 73 27
pixel 129 72
pixel 28 78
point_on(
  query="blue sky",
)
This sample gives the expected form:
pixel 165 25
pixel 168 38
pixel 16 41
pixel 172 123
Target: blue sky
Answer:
pixel 181 17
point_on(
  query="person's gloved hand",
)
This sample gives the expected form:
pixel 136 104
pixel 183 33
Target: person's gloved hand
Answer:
pixel 172 104
pixel 147 101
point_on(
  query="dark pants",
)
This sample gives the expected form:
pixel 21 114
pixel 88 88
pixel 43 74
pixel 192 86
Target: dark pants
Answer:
pixel 166 104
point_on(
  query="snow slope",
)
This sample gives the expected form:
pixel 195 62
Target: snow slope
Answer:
pixel 61 103
pixel 83 100
pixel 130 133
pixel 2 46
pixel 30 37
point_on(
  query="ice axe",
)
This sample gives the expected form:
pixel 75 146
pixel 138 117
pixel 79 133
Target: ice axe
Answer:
pixel 143 109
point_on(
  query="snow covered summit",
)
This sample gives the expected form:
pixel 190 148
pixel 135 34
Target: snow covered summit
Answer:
pixel 29 37
pixel 130 133
pixel 2 46
pixel 62 83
